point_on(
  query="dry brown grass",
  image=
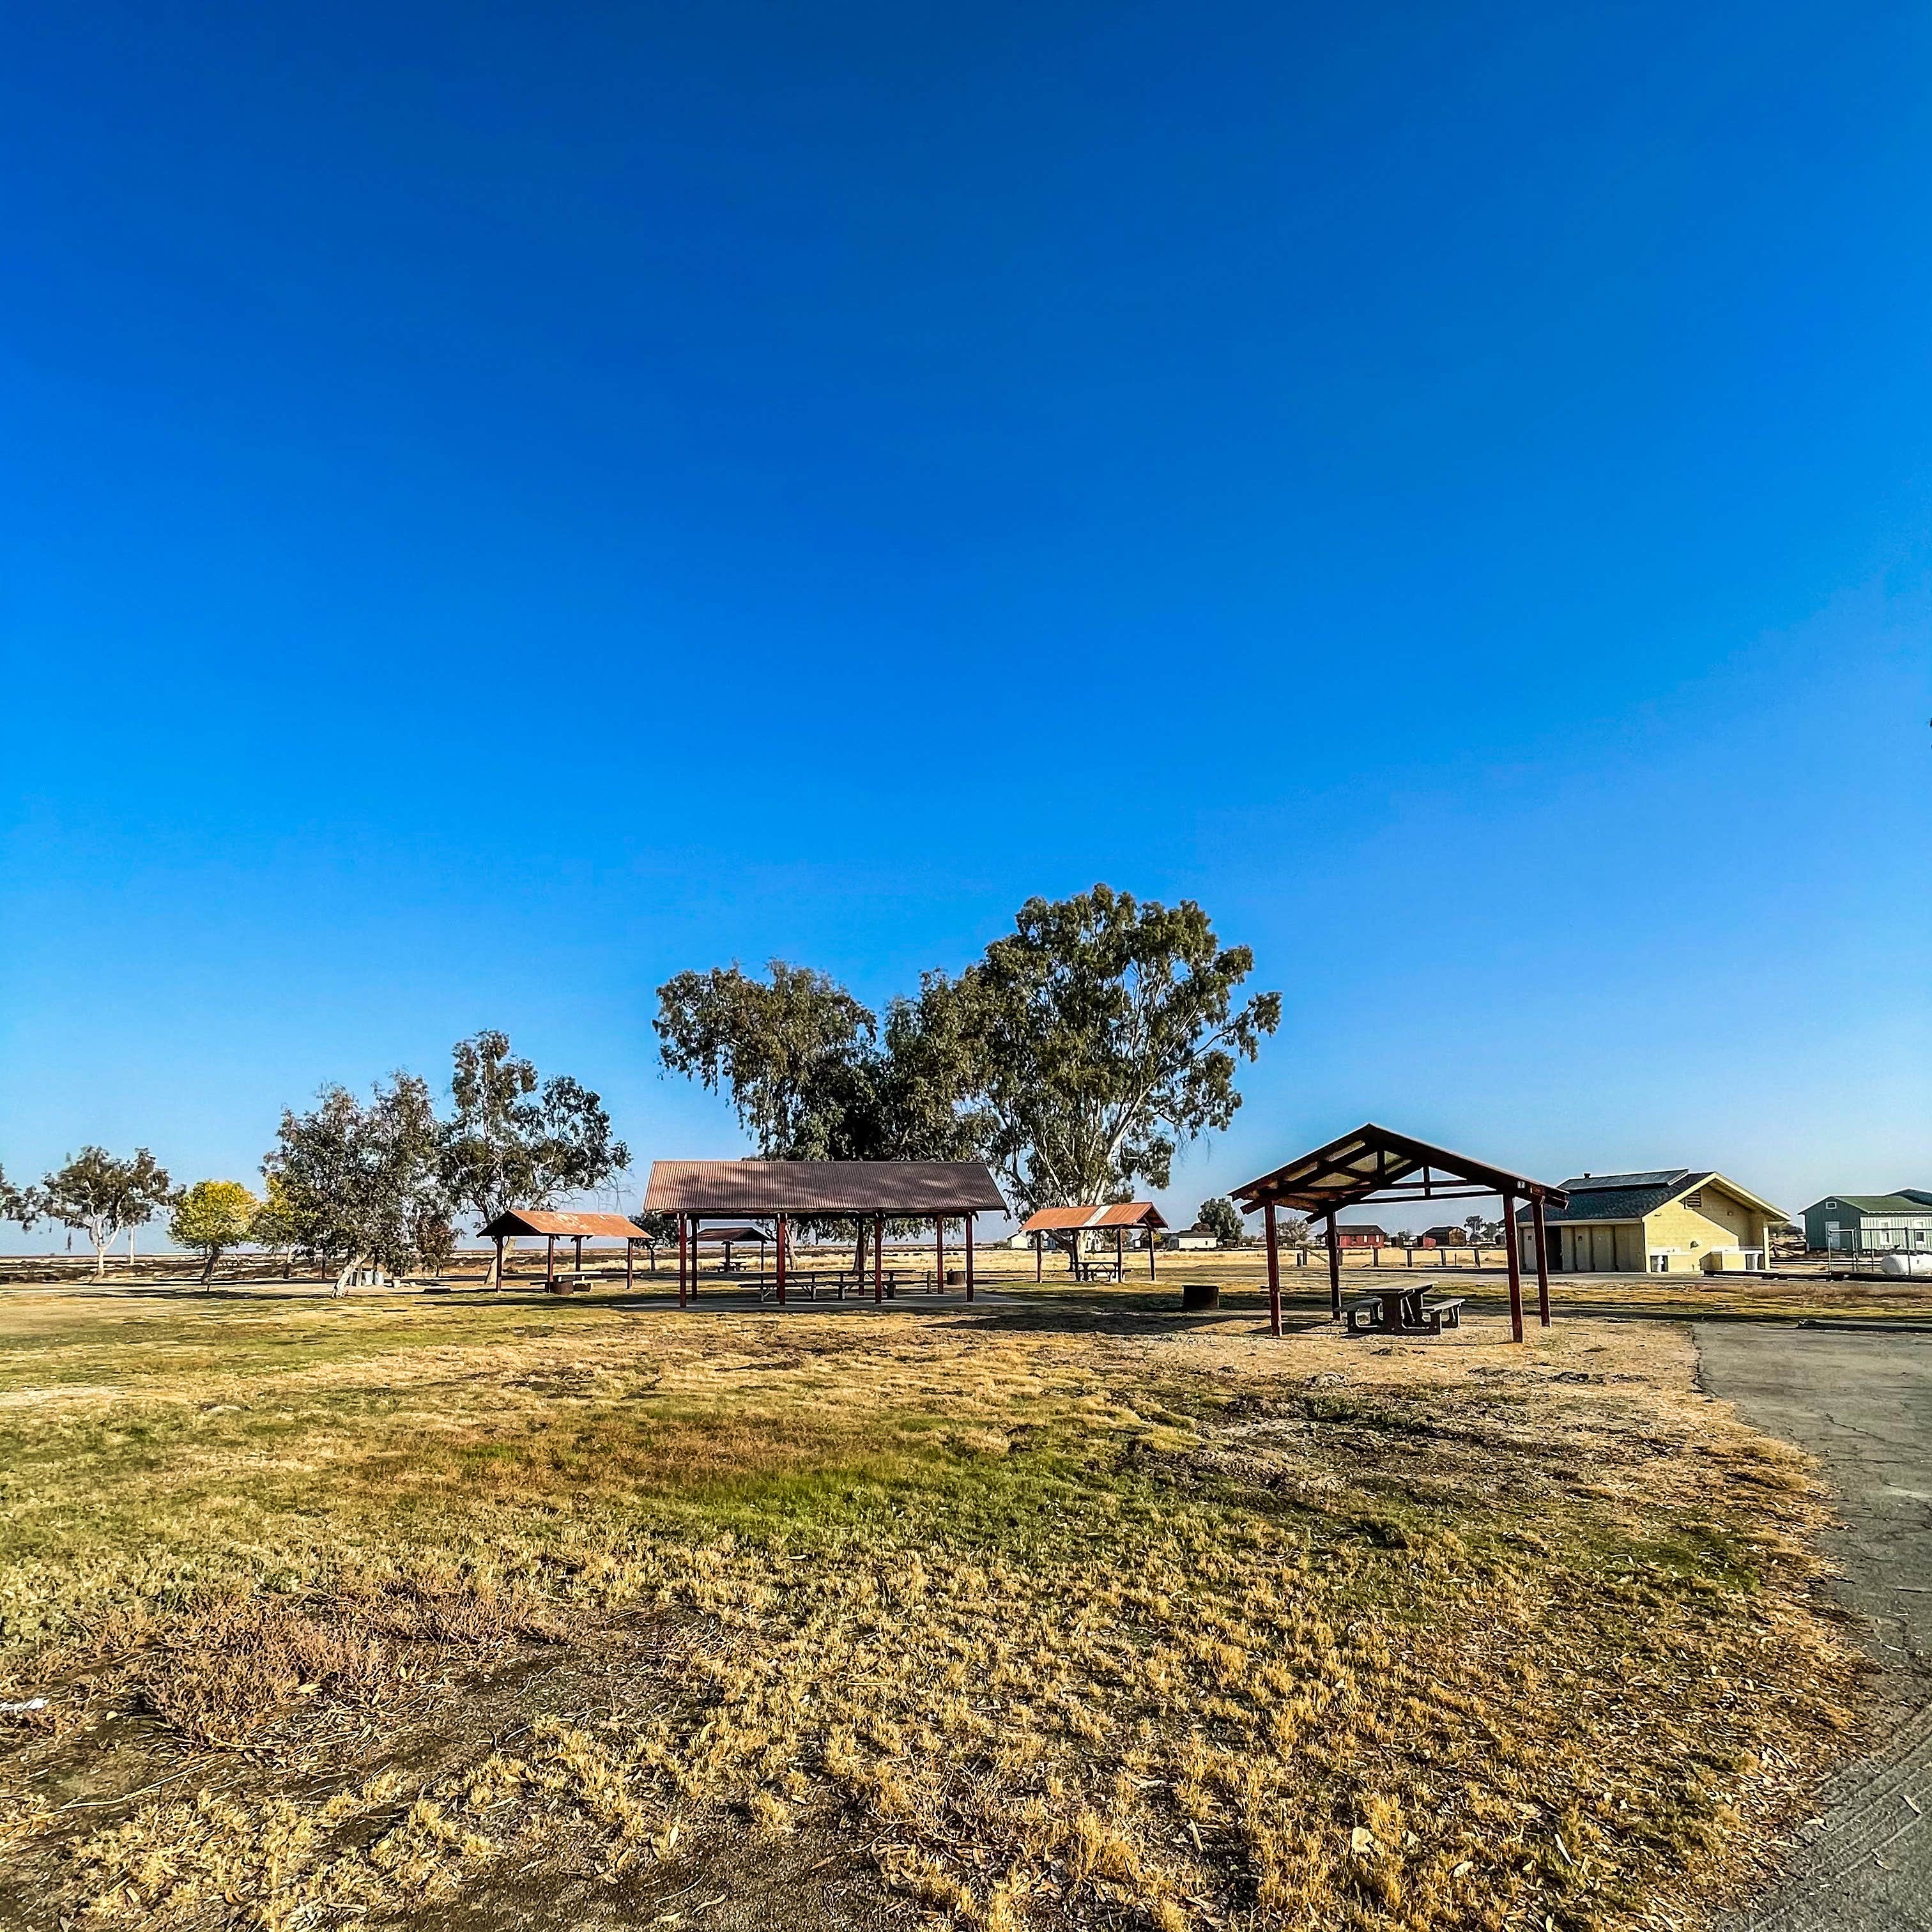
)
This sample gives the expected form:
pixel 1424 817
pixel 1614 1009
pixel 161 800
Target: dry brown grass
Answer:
pixel 1067 1618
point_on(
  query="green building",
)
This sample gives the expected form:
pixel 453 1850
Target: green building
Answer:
pixel 1866 1224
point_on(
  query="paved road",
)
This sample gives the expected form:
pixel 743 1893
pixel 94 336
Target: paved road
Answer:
pixel 1863 1405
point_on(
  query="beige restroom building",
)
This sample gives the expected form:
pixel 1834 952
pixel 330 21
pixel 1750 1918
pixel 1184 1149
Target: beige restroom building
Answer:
pixel 1671 1221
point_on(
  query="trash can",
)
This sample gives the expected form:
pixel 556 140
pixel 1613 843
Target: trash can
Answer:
pixel 1197 1295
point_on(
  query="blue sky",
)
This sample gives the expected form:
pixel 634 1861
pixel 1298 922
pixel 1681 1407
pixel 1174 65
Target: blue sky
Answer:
pixel 502 503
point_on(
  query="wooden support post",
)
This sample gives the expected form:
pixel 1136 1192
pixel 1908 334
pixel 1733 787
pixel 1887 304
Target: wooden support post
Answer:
pixel 683 1249
pixel 780 1260
pixel 1515 1271
pixel 1542 1260
pixel 1334 1271
pixel 1120 1254
pixel 1151 1245
pixel 939 1250
pixel 578 1267
pixel 878 1258
pixel 969 1257
pixel 499 1261
pixel 630 1262
pixel 1274 1271
pixel 1039 1253
pixel 550 1265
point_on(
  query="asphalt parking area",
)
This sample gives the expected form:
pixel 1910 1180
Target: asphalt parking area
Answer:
pixel 1862 1404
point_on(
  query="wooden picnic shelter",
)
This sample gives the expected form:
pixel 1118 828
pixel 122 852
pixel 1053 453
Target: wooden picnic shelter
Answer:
pixel 781 1191
pixel 1118 1215
pixel 576 1228
pixel 1376 1164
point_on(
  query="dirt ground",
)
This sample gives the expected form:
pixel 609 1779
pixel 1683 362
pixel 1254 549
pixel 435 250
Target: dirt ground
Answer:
pixel 1060 1610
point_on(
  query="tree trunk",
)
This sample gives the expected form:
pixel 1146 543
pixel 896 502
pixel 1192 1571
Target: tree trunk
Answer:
pixel 342 1280
pixel 208 1271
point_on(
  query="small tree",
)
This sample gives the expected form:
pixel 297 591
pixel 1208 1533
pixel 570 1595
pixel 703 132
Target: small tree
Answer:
pixel 656 1229
pixel 1475 1224
pixel 1222 1219
pixel 100 1195
pixel 274 1225
pixel 210 1218
pixel 363 1184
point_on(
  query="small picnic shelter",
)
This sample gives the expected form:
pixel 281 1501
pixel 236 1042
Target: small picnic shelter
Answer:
pixel 782 1191
pixel 1376 1164
pixel 733 1234
pixel 552 1226
pixel 1120 1215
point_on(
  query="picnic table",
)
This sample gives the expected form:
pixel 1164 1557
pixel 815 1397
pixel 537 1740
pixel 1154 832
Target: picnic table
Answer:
pixel 828 1283
pixel 1401 1310
pixel 1098 1268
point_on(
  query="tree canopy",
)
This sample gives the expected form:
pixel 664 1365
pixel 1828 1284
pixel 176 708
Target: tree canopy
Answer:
pixel 1077 1056
pixel 516 1142
pixel 100 1194
pixel 1222 1219
pixel 23 1205
pixel 796 1054
pixel 1094 1041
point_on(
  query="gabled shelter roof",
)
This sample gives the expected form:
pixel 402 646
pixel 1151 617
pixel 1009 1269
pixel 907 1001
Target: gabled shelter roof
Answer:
pixel 545 1221
pixel 922 1189
pixel 1377 1164
pixel 732 1231
pixel 1114 1214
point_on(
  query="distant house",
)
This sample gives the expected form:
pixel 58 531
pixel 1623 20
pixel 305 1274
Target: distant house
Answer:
pixel 1443 1237
pixel 1360 1234
pixel 1675 1220
pixel 1867 1224
pixel 1192 1238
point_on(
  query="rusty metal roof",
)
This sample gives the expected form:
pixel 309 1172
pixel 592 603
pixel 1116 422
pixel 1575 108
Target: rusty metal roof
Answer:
pixel 1376 1164
pixel 920 1189
pixel 1114 1214
pixel 733 1231
pixel 545 1221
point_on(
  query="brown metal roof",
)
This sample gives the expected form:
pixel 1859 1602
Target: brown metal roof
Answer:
pixel 1376 1164
pixel 543 1221
pixel 733 1231
pixel 913 1188
pixel 1114 1214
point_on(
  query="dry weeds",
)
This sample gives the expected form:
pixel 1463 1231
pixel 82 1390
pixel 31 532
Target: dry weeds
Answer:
pixel 1067 1619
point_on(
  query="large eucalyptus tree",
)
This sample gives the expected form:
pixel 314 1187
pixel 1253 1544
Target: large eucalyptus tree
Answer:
pixel 1077 1056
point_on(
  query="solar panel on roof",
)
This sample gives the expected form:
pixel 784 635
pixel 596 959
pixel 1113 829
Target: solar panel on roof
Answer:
pixel 1661 1177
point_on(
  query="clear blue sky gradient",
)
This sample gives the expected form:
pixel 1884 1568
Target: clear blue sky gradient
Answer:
pixel 501 503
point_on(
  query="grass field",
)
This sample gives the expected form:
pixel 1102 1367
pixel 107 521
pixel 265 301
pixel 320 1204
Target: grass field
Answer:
pixel 431 1610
